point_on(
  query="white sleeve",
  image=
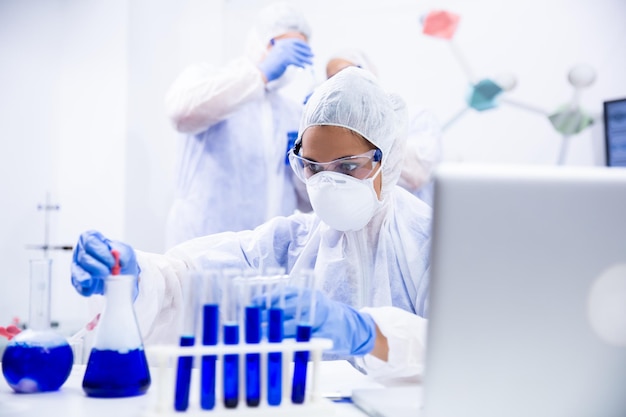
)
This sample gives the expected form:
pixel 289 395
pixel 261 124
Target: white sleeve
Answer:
pixel 406 336
pixel 158 306
pixel 203 96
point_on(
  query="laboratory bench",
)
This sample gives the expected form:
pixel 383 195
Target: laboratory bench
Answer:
pixel 336 381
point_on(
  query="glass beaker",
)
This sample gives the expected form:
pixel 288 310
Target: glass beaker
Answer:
pixel 117 365
pixel 38 359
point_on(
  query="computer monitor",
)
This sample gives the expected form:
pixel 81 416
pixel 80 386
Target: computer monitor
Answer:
pixel 615 132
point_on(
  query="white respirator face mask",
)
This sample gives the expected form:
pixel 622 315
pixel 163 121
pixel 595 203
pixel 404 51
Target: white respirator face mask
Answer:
pixel 343 202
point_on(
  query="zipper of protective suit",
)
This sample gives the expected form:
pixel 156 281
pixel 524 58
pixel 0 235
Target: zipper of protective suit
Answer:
pixel 362 274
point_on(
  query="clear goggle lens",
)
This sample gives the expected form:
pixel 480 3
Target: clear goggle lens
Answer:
pixel 357 166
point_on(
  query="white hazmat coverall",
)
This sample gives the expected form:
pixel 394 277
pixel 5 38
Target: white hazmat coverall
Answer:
pixel 381 269
pixel 232 172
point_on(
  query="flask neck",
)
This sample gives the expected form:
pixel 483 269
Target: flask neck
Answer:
pixel 39 314
pixel 118 291
pixel 118 329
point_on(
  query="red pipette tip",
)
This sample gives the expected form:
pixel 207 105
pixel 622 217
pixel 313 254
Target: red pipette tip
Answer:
pixel 116 268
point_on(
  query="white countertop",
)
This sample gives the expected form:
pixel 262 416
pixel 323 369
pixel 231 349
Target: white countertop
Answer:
pixel 336 379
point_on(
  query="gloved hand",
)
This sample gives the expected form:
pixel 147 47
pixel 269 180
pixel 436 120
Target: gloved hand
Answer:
pixel 352 332
pixel 285 52
pixel 92 262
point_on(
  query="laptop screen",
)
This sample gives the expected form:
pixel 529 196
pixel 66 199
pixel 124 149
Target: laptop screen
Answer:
pixel 615 132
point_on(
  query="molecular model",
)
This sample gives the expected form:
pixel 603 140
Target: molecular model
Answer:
pixel 485 93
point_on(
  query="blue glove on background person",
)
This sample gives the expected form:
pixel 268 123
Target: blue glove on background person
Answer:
pixel 92 262
pixel 352 332
pixel 285 52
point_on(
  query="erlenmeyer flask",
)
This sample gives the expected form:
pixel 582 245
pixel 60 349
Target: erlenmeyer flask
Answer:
pixel 117 365
pixel 38 359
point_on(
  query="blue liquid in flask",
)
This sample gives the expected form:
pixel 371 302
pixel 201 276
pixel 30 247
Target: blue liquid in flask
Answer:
pixel 37 362
pixel 117 365
pixel 38 359
pixel 116 374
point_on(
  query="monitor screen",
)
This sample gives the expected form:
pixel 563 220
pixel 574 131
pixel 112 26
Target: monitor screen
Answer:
pixel 615 132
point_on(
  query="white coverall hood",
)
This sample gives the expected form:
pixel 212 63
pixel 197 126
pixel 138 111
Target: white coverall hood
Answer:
pixel 354 100
pixel 274 20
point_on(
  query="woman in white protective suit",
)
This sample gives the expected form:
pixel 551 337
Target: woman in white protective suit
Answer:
pixel 424 148
pixel 368 241
pixel 232 170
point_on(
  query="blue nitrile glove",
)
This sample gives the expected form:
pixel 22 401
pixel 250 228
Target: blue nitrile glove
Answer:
pixel 92 262
pixel 285 52
pixel 352 332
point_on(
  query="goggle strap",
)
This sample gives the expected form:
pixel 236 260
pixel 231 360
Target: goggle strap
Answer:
pixel 297 145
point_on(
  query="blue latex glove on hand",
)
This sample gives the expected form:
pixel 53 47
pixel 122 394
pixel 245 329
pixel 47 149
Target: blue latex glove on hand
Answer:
pixel 352 332
pixel 285 52
pixel 92 262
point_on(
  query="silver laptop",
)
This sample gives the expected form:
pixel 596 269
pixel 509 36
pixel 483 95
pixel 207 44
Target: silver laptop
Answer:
pixel 528 293
pixel 528 297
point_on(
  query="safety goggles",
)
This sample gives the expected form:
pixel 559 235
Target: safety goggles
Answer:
pixel 357 166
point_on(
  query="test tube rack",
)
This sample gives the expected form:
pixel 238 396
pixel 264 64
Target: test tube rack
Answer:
pixel 163 359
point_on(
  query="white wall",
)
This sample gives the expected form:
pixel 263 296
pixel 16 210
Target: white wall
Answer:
pixel 164 38
pixel 63 118
pixel 82 85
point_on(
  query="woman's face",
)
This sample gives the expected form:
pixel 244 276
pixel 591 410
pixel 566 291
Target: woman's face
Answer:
pixel 327 143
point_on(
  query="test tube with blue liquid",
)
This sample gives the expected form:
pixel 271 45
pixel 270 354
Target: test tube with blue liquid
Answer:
pixel 304 323
pixel 251 291
pixel 117 365
pixel 231 320
pixel 211 281
pixel 190 284
pixel 275 306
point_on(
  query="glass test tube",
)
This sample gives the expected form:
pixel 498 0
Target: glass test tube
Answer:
pixel 275 305
pixel 252 286
pixel 211 282
pixel 304 323
pixel 187 338
pixel 231 313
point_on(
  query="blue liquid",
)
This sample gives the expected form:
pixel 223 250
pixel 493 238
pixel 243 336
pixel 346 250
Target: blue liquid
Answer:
pixel 253 360
pixel 275 359
pixel 30 368
pixel 183 376
pixel 231 367
pixel 207 376
pixel 113 374
pixel 275 378
pixel 301 358
pixel 253 379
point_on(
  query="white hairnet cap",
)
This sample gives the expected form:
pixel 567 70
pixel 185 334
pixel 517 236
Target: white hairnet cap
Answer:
pixel 280 18
pixel 274 20
pixel 354 100
pixel 356 57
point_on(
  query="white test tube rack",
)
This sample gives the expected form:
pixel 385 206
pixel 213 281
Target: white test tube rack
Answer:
pixel 164 359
